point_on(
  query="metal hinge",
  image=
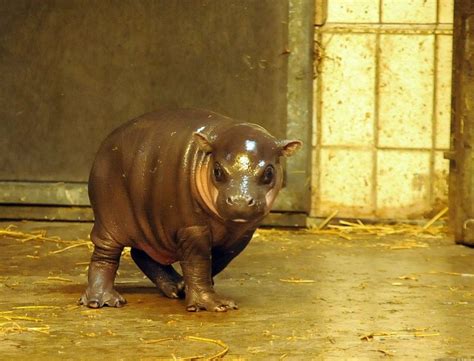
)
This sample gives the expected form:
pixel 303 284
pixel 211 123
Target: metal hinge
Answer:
pixel 468 232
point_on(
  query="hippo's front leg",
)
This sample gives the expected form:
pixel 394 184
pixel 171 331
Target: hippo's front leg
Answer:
pixel 101 276
pixel 196 263
pixel 222 256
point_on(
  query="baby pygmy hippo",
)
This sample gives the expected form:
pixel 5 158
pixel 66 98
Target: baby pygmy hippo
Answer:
pixel 187 186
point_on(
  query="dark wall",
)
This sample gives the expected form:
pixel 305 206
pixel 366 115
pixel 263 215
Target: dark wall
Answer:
pixel 72 70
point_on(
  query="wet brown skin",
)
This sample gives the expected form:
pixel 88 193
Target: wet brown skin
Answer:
pixel 185 185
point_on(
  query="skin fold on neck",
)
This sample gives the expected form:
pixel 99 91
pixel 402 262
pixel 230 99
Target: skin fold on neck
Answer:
pixel 206 190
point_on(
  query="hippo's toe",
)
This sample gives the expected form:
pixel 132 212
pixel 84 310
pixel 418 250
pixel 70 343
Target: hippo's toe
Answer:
pixel 171 288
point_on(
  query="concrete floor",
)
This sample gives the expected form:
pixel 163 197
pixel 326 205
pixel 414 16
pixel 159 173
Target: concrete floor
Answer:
pixel 365 298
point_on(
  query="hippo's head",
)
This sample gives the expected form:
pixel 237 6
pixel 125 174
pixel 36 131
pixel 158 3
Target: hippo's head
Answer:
pixel 242 173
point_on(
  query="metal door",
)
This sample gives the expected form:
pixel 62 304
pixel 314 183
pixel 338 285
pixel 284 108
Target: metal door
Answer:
pixel 74 70
pixel 461 178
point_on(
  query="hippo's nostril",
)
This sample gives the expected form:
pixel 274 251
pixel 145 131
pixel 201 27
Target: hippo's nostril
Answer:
pixel 240 201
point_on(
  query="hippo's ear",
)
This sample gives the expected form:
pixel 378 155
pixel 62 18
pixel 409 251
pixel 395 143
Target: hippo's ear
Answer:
pixel 289 147
pixel 203 142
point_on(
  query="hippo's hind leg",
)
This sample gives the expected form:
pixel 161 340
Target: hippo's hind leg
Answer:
pixel 102 271
pixel 164 277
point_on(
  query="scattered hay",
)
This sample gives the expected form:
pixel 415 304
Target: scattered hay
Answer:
pixel 82 263
pixel 435 218
pixel 14 327
pixel 11 317
pixel 352 230
pixel 325 222
pixel 52 280
pixel 60 279
pixel 34 307
pixel 412 333
pixel 408 277
pixel 380 230
pixel 453 273
pixel 15 323
pixel 409 244
pixel 11 232
pixel 218 355
pixel 296 280
pixel 384 352
pixel 79 244
pixel 345 228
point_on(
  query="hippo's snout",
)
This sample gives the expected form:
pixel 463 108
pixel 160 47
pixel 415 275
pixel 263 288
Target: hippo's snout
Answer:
pixel 242 208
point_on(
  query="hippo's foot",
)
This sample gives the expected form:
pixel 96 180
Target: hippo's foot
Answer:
pixel 210 301
pixel 165 277
pixel 97 299
pixel 100 292
pixel 170 288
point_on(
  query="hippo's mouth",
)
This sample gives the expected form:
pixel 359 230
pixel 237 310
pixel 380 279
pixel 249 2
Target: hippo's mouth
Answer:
pixel 239 220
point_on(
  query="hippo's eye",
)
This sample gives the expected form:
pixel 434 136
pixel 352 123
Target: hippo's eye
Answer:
pixel 268 175
pixel 218 172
